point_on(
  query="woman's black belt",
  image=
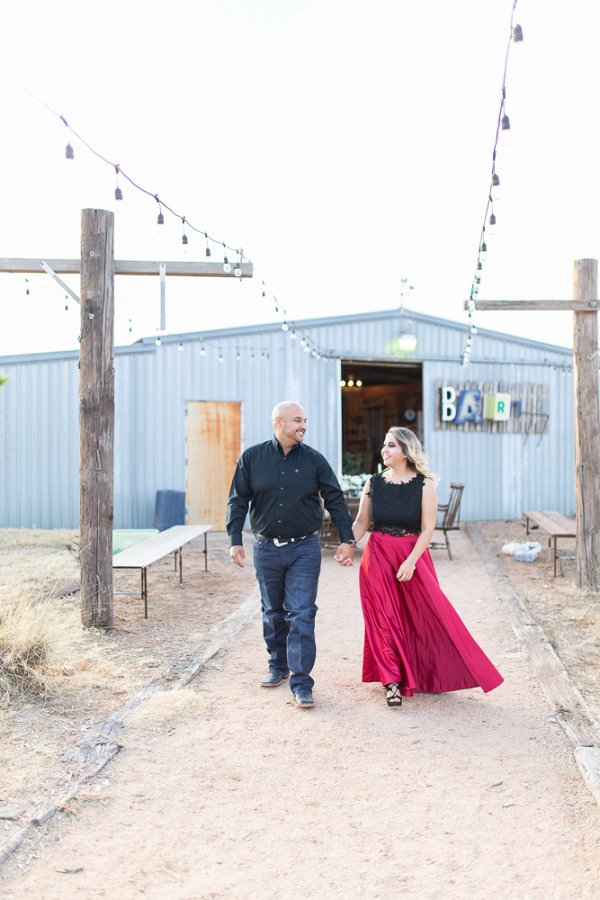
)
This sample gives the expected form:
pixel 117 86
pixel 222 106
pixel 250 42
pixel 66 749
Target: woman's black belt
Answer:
pixel 278 543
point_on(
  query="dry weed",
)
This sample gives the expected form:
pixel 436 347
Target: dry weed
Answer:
pixel 28 630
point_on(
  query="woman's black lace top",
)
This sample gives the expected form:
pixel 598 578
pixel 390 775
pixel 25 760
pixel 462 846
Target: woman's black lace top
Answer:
pixel 396 508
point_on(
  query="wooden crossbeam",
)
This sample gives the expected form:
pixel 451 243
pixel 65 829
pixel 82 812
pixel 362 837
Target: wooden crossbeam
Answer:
pixel 547 305
pixel 128 267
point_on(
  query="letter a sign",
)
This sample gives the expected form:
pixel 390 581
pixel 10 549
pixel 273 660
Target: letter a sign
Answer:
pixel 469 408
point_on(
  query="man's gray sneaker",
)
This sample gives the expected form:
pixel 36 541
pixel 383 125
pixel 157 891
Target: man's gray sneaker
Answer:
pixel 274 679
pixel 304 700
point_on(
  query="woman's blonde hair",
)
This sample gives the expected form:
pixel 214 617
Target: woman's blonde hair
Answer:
pixel 415 457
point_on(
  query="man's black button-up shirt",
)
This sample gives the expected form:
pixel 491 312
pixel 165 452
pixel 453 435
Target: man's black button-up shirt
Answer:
pixel 283 493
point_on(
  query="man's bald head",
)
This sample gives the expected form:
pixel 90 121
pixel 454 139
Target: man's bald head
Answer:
pixel 286 408
pixel 289 423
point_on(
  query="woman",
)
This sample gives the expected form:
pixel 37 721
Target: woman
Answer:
pixel 414 638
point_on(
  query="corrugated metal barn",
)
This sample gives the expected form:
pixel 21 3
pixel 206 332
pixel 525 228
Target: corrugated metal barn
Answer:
pixel 185 408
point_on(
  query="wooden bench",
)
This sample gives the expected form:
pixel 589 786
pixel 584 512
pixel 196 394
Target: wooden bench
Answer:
pixel 555 525
pixel 172 540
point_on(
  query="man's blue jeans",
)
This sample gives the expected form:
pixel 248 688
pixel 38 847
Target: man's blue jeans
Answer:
pixel 288 578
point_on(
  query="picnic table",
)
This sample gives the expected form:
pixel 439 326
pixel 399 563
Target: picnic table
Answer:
pixel 555 525
pixel 172 540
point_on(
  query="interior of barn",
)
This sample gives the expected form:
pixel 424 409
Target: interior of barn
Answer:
pixel 375 397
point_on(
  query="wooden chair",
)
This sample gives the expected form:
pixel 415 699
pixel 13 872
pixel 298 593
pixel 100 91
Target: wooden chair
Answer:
pixel 451 519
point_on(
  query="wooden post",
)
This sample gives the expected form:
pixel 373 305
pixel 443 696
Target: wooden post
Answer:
pixel 96 416
pixel 587 434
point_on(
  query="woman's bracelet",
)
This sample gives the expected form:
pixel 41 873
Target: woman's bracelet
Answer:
pixel 409 558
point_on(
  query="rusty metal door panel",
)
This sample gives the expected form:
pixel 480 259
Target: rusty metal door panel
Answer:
pixel 213 446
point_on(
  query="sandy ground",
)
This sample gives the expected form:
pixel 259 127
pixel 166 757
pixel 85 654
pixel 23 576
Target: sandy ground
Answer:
pixel 460 795
pixel 92 673
pixel 570 617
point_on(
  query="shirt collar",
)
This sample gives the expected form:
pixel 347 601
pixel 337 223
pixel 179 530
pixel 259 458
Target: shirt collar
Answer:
pixel 279 449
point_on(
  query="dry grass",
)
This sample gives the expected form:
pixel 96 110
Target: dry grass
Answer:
pixel 28 631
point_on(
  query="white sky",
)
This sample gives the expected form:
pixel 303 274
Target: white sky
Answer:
pixel 341 144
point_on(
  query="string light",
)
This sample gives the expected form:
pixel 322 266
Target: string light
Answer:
pixel 180 347
pixel 321 352
pixel 118 191
pixel 489 218
pixel 227 268
pixel 69 153
pixel 158 342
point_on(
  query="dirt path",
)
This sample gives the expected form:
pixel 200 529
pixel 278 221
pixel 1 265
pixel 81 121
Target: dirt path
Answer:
pixel 458 796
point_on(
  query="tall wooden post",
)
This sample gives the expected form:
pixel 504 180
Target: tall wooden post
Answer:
pixel 587 434
pixel 96 416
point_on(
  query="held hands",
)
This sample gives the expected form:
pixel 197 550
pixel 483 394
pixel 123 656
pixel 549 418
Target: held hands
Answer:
pixel 344 555
pixel 237 556
pixel 406 570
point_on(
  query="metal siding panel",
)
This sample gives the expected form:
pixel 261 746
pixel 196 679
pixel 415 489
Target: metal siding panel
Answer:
pixel 39 422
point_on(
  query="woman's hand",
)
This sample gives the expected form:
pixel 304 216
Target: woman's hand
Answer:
pixel 406 570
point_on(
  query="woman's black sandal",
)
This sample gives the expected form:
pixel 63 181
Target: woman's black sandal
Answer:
pixel 393 695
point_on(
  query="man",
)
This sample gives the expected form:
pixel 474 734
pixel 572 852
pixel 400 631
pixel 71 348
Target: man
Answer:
pixel 281 480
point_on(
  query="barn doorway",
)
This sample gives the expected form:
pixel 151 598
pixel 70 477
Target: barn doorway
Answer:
pixel 213 447
pixel 375 397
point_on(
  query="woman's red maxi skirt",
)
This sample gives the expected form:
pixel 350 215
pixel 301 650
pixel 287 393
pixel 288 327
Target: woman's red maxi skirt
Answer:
pixel 413 634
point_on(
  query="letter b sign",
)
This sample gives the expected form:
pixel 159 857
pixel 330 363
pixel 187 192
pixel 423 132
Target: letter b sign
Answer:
pixel 448 403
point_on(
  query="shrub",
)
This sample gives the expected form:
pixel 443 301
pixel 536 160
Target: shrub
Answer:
pixel 27 633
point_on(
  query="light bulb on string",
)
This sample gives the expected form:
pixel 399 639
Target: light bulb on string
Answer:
pixel 252 356
pixel 238 270
pixel 118 191
pixel 238 355
pixel 221 360
pixel 517 36
pixel 492 224
pixel 184 238
pixel 495 192
pixel 202 350
pixel 303 342
pixel 483 250
pixel 505 131
pixel 180 347
pixel 69 152
pixel 479 265
pixel 158 342
pixel 27 289
pixel 207 247
pixel 226 264
pixel 285 326
pixel 307 349
pixel 160 219
pixel 293 335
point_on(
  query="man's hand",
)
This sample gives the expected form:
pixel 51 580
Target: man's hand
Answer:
pixel 345 555
pixel 237 556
